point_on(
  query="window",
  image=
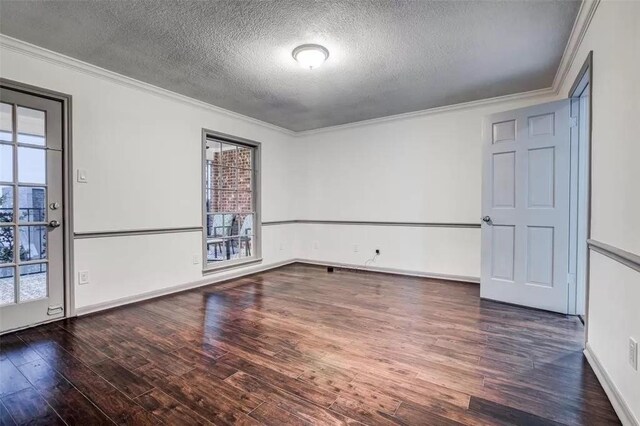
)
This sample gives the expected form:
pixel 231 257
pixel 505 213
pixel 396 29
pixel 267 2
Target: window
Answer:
pixel 231 215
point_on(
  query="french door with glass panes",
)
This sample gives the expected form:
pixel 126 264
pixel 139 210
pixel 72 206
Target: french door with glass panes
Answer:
pixel 31 210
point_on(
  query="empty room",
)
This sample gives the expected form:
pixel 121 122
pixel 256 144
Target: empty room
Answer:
pixel 292 212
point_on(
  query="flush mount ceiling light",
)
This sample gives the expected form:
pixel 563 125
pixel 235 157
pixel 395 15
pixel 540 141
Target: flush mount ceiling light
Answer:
pixel 310 56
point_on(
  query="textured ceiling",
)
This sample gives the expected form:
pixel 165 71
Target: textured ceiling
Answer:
pixel 387 57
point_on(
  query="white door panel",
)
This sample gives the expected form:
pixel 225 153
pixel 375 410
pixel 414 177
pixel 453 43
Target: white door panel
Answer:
pixel 525 193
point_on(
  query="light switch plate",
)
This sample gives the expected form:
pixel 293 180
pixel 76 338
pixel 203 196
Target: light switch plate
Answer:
pixel 83 277
pixel 82 176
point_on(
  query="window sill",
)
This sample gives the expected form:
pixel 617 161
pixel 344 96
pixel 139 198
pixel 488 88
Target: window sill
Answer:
pixel 212 268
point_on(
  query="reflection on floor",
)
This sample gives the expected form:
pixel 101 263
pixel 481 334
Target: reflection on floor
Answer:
pixel 298 345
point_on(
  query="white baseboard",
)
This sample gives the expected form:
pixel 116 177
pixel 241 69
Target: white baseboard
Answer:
pixel 212 279
pixel 209 279
pixel 619 404
pixel 421 274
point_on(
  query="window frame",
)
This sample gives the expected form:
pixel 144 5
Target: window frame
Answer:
pixel 209 267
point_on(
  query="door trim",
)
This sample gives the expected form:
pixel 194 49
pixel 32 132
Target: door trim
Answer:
pixel 67 179
pixel 574 93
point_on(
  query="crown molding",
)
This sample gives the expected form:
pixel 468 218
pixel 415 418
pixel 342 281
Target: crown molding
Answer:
pixel 548 91
pixel 56 58
pixel 578 32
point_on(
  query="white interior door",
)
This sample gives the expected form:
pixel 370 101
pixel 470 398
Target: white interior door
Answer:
pixel 525 206
pixel 31 229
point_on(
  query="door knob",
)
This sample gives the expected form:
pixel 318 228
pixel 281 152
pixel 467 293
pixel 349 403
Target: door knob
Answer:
pixel 486 219
pixel 54 224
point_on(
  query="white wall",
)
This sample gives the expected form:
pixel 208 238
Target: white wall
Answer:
pixel 142 154
pixel 450 252
pixel 614 301
pixel 420 169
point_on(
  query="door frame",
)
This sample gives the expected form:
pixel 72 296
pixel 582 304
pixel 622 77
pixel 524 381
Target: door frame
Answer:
pixel 585 74
pixel 67 185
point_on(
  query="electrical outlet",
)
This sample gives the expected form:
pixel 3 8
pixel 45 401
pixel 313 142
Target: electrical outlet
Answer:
pixel 633 353
pixel 356 248
pixel 196 259
pixel 315 245
pixel 281 247
pixel 83 277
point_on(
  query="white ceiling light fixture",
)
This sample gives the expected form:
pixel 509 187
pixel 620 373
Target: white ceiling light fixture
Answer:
pixel 310 56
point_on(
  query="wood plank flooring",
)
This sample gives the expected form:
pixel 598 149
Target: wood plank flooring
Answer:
pixel 301 346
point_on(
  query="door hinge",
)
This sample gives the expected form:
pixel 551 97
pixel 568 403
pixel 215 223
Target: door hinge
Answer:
pixel 55 310
pixel 573 121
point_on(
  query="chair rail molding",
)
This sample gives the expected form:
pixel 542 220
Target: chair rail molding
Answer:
pixel 127 232
pixel 622 256
pixel 374 223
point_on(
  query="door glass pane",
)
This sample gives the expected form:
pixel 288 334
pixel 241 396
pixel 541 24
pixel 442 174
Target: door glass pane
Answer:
pixel 233 249
pixel 33 282
pixel 6 163
pixel 228 181
pixel 213 177
pixel 246 246
pixel 32 165
pixel 244 180
pixel 228 201
pixel 214 225
pixel 31 126
pixel 6 203
pixel 6 122
pixel 245 221
pixel 209 200
pixel 244 157
pixel 214 149
pixel 32 204
pixel 6 244
pixel 229 155
pixel 33 243
pixel 223 249
pixel 230 225
pixel 212 201
pixel 245 201
pixel 7 286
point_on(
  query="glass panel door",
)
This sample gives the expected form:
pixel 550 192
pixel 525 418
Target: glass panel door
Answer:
pixel 31 236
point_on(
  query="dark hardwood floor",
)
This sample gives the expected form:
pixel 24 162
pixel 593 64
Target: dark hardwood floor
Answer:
pixel 298 345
